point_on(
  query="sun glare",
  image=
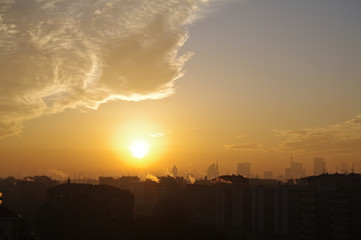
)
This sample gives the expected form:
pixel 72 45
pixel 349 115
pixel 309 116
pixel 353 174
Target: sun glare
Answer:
pixel 139 148
pixel 139 144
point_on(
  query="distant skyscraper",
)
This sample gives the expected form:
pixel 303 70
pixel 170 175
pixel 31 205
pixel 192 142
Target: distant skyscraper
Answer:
pixel 175 171
pixel 244 169
pixel 319 166
pixel 295 171
pixel 211 172
pixel 268 175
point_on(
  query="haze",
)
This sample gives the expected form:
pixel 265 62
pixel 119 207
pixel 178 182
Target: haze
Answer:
pixel 202 81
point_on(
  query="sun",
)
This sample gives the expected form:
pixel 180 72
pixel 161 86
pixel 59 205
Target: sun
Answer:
pixel 139 148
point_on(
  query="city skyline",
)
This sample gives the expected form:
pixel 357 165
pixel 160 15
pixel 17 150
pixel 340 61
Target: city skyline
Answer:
pixel 228 207
pixel 295 170
pixel 185 84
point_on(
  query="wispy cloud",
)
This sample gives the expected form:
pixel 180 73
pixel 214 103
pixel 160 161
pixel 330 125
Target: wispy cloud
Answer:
pixel 243 146
pixel 190 178
pixel 337 138
pixel 166 172
pixel 56 174
pixel 156 135
pixel 152 177
pixel 59 54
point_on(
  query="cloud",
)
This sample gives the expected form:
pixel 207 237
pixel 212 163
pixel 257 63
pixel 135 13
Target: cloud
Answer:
pixel 56 174
pixel 61 54
pixel 337 138
pixel 166 172
pixel 152 177
pixel 190 178
pixel 156 135
pixel 243 146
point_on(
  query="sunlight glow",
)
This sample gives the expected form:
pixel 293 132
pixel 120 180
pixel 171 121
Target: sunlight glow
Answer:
pixel 139 148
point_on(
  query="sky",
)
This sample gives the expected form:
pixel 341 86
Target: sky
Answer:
pixel 201 81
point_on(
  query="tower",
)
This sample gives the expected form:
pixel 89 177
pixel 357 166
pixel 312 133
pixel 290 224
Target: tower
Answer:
pixel 217 173
pixel 175 171
pixel 211 172
pixel 319 166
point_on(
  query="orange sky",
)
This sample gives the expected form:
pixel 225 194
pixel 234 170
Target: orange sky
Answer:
pixel 201 81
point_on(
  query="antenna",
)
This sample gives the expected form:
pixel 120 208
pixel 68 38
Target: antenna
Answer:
pixel 217 168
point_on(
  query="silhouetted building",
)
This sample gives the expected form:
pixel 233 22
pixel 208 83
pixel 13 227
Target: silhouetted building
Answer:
pixel 110 181
pixel 328 214
pixel 26 196
pixel 295 171
pixel 13 226
pixel 319 166
pixel 263 210
pixel 268 175
pixel 333 181
pixel 145 195
pixel 200 202
pixel 211 172
pixel 285 211
pixel 244 169
pixel 10 224
pixel 327 206
pixel 124 182
pixel 84 211
pixel 169 187
pixel 175 171
pixel 145 192
pixel 254 182
pixel 345 214
pixel 233 203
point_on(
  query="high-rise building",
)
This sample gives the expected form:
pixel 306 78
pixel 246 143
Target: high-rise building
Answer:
pixel 244 169
pixel 86 211
pixel 233 202
pixel 295 171
pixel 211 172
pixel 319 166
pixel 175 171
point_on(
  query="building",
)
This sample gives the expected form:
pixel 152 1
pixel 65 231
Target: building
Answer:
pixel 86 211
pixel 295 171
pixel 211 172
pixel 233 203
pixel 200 202
pixel 169 187
pixel 145 192
pixel 268 175
pixel 26 196
pixel 327 206
pixel 319 166
pixel 244 169
pixel 263 210
pixel 175 171
pixel 12 225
